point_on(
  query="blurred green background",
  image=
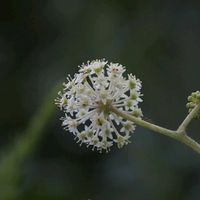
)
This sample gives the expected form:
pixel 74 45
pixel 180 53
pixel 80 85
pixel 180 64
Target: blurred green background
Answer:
pixel 43 41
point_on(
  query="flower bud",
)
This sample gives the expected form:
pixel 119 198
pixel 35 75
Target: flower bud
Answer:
pixel 194 100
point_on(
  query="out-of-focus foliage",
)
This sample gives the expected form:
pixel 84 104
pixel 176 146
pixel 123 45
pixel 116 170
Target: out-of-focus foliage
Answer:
pixel 43 41
pixel 11 163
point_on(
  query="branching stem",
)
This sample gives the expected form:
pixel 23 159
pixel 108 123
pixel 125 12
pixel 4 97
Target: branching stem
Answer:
pixel 182 128
pixel 179 134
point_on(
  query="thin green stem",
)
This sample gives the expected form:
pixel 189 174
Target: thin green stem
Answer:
pixel 182 128
pixel 143 123
pixel 184 138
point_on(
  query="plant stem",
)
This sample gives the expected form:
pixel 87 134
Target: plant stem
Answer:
pixel 184 138
pixel 182 128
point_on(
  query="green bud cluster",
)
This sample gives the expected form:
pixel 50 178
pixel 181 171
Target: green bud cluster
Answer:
pixel 193 100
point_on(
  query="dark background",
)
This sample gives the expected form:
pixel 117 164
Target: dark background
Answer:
pixel 43 41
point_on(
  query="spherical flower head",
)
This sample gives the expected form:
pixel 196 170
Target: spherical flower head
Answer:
pixel 87 99
pixel 194 100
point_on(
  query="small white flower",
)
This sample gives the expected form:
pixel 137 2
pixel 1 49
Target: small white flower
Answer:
pixel 122 140
pixel 86 101
pixel 61 101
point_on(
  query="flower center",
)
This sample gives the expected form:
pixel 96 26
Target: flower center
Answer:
pixel 104 107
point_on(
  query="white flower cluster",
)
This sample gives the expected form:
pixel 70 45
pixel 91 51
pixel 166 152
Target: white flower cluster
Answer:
pixel 86 101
